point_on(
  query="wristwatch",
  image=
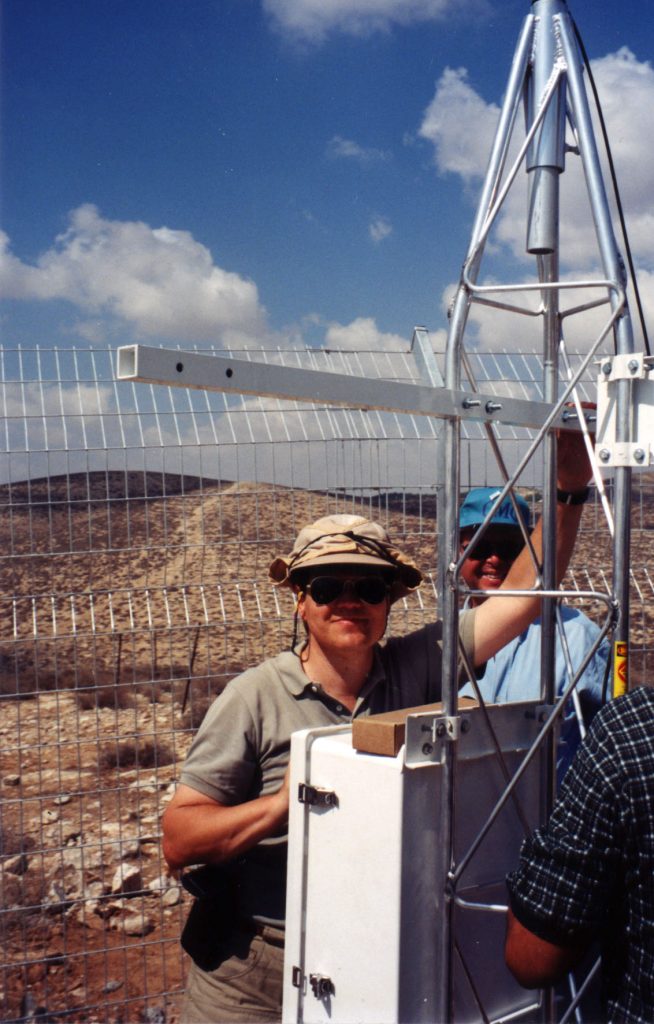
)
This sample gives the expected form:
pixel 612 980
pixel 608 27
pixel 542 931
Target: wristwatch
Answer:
pixel 573 497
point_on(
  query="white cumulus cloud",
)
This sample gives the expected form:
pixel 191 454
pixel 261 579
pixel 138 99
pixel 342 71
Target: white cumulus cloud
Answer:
pixel 339 148
pixel 626 90
pixel 158 281
pixel 460 125
pixel 313 20
pixel 363 335
pixel 379 229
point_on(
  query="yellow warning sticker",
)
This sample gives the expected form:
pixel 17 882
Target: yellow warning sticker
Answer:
pixel 620 668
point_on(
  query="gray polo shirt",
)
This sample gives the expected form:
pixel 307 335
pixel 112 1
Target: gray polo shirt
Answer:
pixel 241 749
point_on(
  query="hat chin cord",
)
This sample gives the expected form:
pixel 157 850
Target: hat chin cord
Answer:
pixel 296 626
pixel 296 617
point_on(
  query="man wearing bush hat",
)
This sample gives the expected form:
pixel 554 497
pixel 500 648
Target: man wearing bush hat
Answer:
pixel 512 673
pixel 230 809
pixel 347 540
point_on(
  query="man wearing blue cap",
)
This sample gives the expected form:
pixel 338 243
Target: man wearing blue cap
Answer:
pixel 512 674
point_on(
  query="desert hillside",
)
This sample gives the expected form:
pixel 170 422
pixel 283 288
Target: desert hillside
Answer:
pixel 127 601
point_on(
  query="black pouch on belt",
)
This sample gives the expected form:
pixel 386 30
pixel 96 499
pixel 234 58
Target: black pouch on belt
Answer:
pixel 213 914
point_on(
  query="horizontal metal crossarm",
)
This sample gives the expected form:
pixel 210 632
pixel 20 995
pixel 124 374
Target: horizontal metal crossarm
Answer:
pixel 172 367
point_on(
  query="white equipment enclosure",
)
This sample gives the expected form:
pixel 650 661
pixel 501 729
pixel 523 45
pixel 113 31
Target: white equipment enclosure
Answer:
pixel 366 857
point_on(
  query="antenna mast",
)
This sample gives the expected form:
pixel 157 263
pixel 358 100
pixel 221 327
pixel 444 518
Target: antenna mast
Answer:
pixel 546 80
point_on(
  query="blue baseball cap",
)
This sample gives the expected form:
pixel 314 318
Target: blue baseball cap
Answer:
pixel 478 502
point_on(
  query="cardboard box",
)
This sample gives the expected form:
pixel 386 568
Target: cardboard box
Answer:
pixel 384 733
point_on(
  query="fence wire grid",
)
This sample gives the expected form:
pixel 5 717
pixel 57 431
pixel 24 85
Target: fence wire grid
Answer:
pixel 137 527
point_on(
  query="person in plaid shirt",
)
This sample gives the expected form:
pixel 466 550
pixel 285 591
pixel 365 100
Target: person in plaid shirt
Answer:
pixel 589 873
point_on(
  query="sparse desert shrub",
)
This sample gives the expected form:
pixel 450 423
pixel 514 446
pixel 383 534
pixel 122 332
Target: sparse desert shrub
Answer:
pixel 195 711
pixel 21 895
pixel 109 696
pixel 20 676
pixel 156 690
pixel 13 842
pixel 16 688
pixel 136 753
pixel 200 696
pixel 26 673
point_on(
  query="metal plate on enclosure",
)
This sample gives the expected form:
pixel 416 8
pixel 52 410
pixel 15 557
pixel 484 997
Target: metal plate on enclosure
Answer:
pixel 514 726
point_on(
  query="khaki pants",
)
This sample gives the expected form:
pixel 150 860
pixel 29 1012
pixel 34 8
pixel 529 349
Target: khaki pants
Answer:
pixel 245 988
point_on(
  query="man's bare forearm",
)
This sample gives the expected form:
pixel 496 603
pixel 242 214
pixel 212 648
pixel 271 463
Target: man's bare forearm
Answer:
pixel 499 619
pixel 534 962
pixel 206 832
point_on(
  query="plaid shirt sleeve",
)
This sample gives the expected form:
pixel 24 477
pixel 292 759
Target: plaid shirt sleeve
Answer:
pixel 565 881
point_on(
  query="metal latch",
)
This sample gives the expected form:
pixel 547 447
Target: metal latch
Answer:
pixel 316 797
pixel 321 985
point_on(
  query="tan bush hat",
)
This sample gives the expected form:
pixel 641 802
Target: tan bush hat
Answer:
pixel 346 540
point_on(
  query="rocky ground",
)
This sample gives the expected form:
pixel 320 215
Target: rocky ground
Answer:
pixel 94 722
pixel 90 919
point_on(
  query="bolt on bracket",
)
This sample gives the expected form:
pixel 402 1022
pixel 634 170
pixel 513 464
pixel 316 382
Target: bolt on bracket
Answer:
pixel 426 735
pixel 636 452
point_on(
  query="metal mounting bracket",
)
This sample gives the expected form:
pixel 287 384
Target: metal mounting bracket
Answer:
pixel 541 712
pixel 513 726
pixel 426 736
pixel 638 451
pixel 627 366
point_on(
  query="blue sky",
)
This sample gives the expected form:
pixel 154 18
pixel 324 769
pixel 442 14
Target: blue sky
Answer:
pixel 273 171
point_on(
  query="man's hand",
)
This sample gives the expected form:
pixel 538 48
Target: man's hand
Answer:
pixel 573 466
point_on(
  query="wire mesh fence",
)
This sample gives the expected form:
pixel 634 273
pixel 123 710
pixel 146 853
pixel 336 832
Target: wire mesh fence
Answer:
pixel 137 526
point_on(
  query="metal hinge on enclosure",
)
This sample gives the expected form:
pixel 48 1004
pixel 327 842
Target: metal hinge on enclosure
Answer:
pixel 316 797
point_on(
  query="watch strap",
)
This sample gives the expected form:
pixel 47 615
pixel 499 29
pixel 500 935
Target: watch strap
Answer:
pixel 573 497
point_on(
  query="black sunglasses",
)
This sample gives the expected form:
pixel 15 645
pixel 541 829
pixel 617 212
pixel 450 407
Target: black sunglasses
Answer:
pixel 507 550
pixel 325 589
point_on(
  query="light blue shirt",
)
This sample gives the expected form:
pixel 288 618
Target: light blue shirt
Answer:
pixel 513 674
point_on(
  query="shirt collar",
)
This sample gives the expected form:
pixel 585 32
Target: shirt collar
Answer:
pixel 292 674
pixel 298 684
pixel 375 676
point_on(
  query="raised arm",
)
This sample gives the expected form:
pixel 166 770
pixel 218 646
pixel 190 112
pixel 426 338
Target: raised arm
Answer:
pixel 199 830
pixel 499 619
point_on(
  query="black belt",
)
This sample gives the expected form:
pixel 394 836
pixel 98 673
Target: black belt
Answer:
pixel 270 932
